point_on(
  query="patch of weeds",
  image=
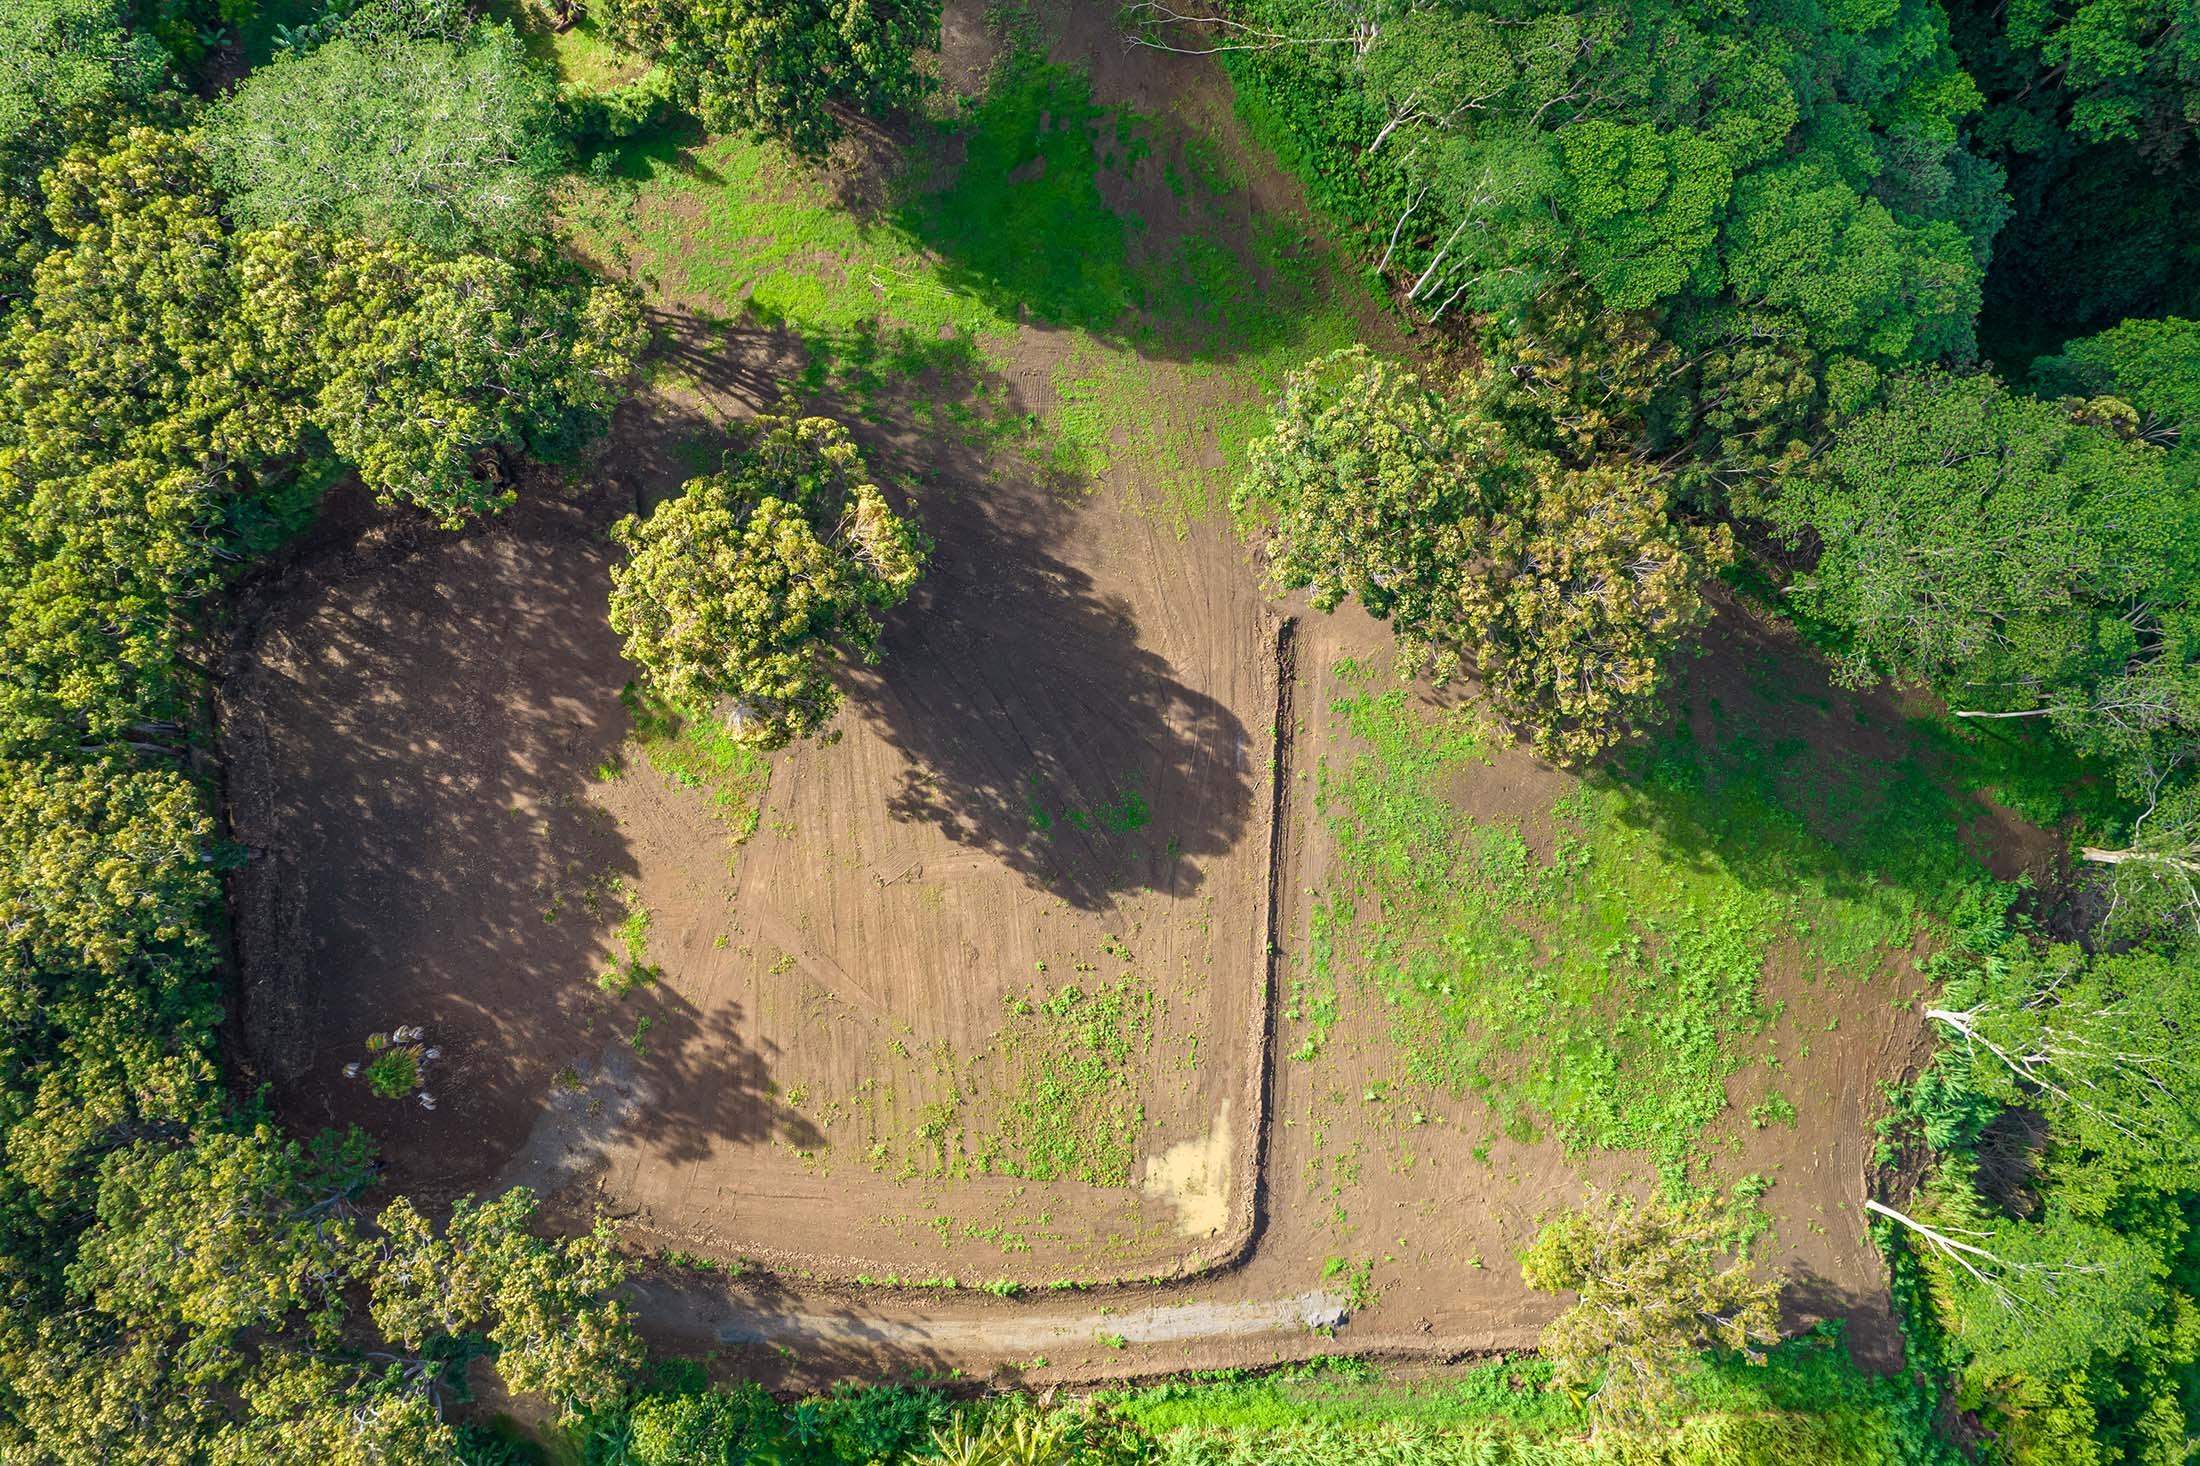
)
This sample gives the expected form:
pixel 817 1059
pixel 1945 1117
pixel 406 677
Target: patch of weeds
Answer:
pixel 700 752
pixel 630 967
pixel 1125 812
pixel 1357 1279
pixel 1774 1109
pixel 1611 987
pixel 1063 1101
pixel 1111 1340
pixel 693 1262
pixel 393 1073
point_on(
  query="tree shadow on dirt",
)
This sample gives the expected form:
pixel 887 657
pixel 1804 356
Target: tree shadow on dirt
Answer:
pixel 1868 1327
pixel 1769 770
pixel 1057 208
pixel 754 1326
pixel 1035 725
pixel 412 723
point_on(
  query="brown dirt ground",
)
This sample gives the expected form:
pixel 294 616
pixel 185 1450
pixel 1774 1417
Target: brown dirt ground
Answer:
pixel 416 740
pixel 417 727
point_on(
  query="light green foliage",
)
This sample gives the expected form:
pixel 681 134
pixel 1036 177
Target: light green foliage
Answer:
pixel 2099 1040
pixel 779 67
pixel 131 406
pixel 1370 487
pixel 1647 207
pixel 446 140
pixel 105 893
pixel 2152 364
pixel 1857 278
pixel 1590 585
pixel 702 753
pixel 177 1286
pixel 109 873
pixel 203 1242
pixel 162 373
pixel 2154 878
pixel 1656 1284
pixel 303 1409
pixel 2019 556
pixel 65 58
pixel 418 365
pixel 67 68
pixel 748 587
pixel 2052 1234
pixel 544 1305
pixel 1561 588
pixel 1169 351
pixel 1808 1405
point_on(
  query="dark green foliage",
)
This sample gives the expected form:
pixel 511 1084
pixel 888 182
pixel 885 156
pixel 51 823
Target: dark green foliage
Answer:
pixel 1789 187
pixel 682 1419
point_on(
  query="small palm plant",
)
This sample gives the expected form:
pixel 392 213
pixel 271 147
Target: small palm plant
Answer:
pixel 396 1064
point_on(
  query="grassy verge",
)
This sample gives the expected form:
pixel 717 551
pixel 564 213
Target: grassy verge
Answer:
pixel 1158 339
pixel 1607 988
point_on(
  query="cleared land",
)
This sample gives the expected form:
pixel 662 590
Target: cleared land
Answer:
pixel 979 989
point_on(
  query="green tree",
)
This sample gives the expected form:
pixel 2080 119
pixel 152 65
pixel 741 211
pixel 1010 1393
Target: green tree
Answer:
pixel 110 873
pixel 1561 588
pixel 299 1408
pixel 1587 586
pixel 198 1244
pixel 2154 875
pixel 2130 69
pixel 784 68
pixel 1657 1285
pixel 449 143
pixel 418 365
pixel 1367 488
pixel 164 377
pixel 1801 240
pixel 131 410
pixel 756 580
pixel 1647 207
pixel 544 1305
pixel 2152 364
pixel 70 68
pixel 2025 558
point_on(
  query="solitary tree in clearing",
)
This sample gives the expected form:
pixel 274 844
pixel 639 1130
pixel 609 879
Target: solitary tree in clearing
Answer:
pixel 747 589
pixel 1657 1285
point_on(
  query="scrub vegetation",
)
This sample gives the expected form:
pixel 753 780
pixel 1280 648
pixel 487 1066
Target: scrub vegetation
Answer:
pixel 1611 330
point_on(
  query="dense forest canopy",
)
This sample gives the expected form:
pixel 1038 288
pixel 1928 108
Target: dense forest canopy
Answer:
pixel 1887 311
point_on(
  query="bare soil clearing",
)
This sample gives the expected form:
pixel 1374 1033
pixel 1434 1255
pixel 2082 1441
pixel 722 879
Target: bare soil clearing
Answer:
pixel 980 987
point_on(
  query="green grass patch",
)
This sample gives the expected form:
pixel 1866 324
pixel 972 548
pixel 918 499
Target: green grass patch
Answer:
pixel 1607 991
pixel 630 965
pixel 1179 331
pixel 701 753
pixel 1808 1403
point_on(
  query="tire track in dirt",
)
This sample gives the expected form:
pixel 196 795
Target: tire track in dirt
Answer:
pixel 1234 1308
pixel 1161 1324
